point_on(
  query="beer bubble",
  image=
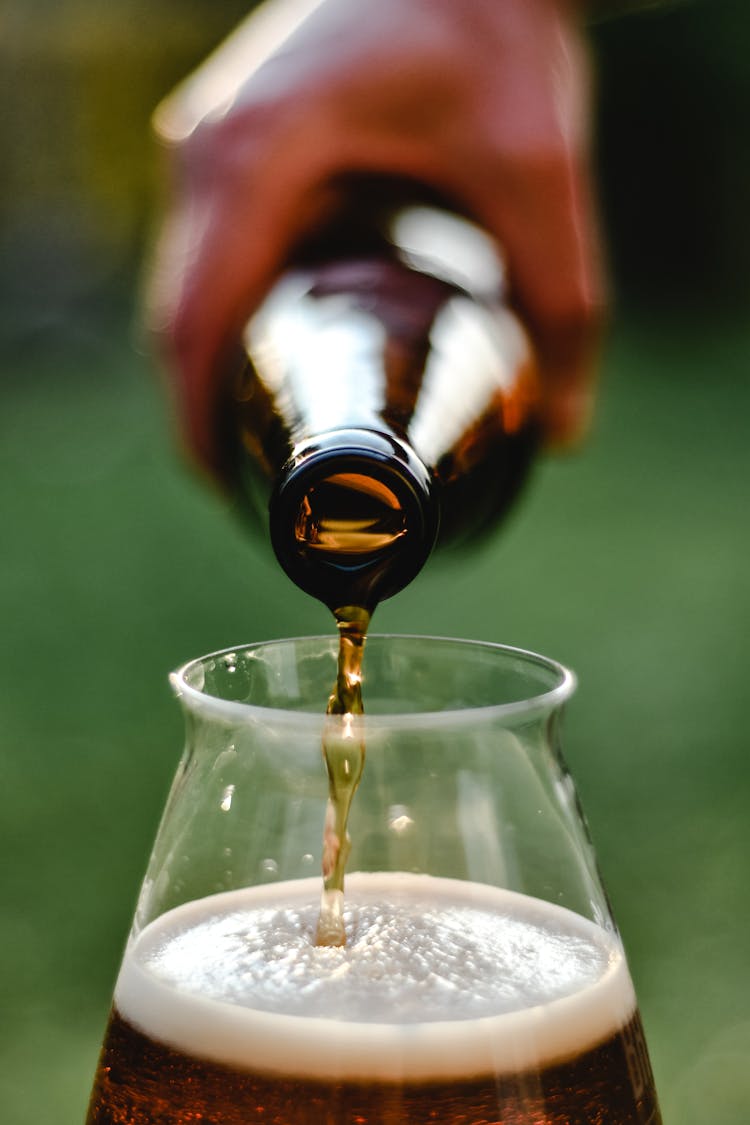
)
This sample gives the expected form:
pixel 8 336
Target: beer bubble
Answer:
pixel 230 662
pixel 269 868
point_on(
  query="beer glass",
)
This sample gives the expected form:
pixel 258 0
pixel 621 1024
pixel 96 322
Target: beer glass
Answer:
pixel 483 979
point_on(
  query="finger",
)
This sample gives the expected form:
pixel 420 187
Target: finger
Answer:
pixel 542 216
pixel 213 87
pixel 219 256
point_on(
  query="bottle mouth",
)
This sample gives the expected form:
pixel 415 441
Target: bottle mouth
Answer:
pixel 354 517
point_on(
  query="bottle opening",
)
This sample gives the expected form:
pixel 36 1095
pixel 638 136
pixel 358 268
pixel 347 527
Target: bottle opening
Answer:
pixel 349 514
pixel 353 518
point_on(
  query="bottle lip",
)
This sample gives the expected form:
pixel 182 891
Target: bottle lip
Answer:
pixel 385 458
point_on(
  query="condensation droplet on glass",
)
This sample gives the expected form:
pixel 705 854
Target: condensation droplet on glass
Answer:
pixel 307 860
pixel 269 867
pixel 225 760
pixel 226 798
pixel 399 820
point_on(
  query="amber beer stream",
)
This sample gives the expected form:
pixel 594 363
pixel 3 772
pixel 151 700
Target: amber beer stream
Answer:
pixel 483 979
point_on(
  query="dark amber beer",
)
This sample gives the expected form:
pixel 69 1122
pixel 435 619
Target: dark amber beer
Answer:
pixel 452 1002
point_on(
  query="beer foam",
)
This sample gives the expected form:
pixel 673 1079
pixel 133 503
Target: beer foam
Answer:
pixel 440 978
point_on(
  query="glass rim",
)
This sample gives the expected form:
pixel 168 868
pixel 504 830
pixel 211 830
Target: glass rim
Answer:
pixel 541 702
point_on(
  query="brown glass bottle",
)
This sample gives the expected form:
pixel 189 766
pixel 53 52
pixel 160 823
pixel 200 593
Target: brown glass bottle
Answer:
pixel 388 404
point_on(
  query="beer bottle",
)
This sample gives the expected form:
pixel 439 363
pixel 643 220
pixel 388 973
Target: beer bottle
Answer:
pixel 388 403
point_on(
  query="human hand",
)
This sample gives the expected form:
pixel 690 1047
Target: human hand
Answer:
pixel 484 101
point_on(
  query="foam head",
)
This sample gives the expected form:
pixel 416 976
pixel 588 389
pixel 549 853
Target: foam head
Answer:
pixel 438 977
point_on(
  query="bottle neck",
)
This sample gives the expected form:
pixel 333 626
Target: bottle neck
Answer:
pixel 353 517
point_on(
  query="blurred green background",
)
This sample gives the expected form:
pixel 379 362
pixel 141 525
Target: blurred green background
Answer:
pixel 627 561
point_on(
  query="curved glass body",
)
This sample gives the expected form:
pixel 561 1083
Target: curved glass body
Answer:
pixel 483 978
